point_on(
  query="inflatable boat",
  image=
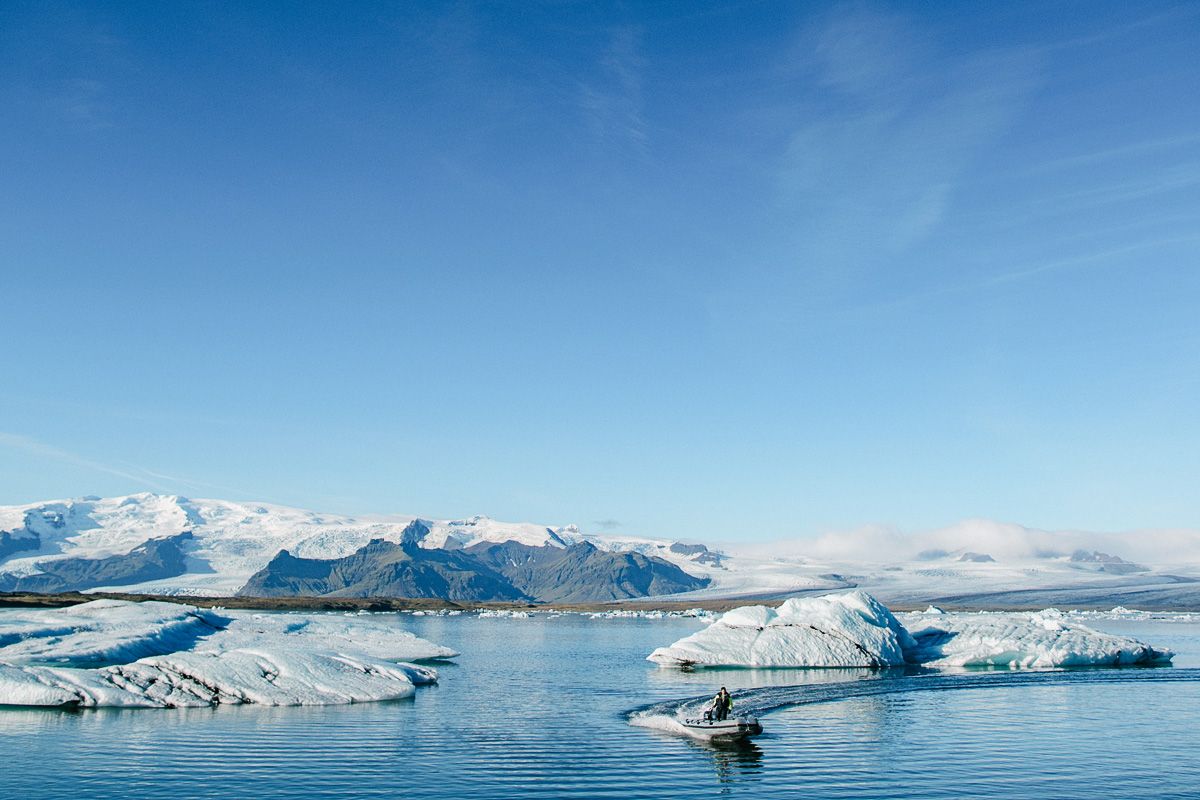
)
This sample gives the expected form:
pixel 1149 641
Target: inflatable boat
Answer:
pixel 726 729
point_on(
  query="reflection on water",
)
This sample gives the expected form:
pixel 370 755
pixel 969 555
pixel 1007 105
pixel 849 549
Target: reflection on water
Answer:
pixel 733 761
pixel 753 678
pixel 537 709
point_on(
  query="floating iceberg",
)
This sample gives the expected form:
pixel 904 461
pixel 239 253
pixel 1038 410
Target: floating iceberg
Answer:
pixel 837 630
pixel 375 635
pixel 629 614
pixel 1040 639
pixel 691 613
pixel 856 630
pixel 163 655
pixel 103 632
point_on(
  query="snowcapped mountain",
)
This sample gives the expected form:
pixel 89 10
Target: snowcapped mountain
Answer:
pixel 166 544
pixel 222 543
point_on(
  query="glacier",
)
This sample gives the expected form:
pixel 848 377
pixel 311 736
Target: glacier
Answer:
pixel 855 630
pixel 110 653
pixel 224 543
pixel 975 563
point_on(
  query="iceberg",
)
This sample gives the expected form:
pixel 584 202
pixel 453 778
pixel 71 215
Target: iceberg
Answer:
pixel 103 632
pixel 165 655
pixel 856 630
pixel 375 635
pixel 1038 639
pixel 836 630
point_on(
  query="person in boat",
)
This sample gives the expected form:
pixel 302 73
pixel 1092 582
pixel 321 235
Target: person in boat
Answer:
pixel 722 704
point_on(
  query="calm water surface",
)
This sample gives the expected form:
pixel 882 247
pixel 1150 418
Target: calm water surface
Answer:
pixel 539 708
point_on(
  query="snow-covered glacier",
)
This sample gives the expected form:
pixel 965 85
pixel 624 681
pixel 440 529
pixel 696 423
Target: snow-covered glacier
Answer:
pixel 856 630
pixel 168 545
pixel 172 545
pixel 163 655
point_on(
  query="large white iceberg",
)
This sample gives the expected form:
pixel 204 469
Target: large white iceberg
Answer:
pixel 837 630
pixel 159 655
pixel 1038 639
pixel 856 630
pixel 103 632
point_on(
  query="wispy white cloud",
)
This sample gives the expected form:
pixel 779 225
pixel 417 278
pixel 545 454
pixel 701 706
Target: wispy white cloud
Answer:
pixel 1131 149
pixel 190 482
pixel 1175 178
pixel 1086 259
pixel 82 103
pixel 141 476
pixel 1169 16
pixel 1011 273
pixel 861 50
pixel 881 142
pixel 614 105
pixel 40 449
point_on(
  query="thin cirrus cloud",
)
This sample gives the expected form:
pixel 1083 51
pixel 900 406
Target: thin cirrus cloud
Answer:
pixel 1175 178
pixel 83 103
pixel 612 103
pixel 1086 260
pixel 1147 146
pixel 882 127
pixel 33 447
pixel 877 152
pixel 140 477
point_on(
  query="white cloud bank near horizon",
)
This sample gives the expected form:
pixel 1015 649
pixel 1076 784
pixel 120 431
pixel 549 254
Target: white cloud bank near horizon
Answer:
pixel 1004 541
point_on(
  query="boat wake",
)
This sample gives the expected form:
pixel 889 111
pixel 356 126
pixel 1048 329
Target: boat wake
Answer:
pixel 668 715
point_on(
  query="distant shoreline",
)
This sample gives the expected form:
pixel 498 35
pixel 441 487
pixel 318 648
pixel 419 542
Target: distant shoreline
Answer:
pixel 385 604
pixel 35 600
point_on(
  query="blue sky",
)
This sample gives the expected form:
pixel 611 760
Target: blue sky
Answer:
pixel 702 270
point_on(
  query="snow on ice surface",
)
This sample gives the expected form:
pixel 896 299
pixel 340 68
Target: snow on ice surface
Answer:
pixel 373 635
pixel 1122 614
pixel 502 613
pixel 478 529
pixel 103 632
pixel 854 630
pixel 1038 639
pixel 167 655
pixel 836 630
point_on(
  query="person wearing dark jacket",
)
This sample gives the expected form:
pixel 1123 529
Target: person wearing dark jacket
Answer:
pixel 722 704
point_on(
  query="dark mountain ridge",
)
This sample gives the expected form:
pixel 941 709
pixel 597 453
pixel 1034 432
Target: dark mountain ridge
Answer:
pixel 486 571
pixel 149 561
pixel 583 572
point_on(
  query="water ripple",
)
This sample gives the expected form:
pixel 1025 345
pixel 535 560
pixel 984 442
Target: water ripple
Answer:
pixel 537 709
pixel 756 702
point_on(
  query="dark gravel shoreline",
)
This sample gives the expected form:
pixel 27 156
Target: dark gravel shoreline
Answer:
pixel 32 600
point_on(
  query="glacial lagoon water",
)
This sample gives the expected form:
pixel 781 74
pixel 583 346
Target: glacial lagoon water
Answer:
pixel 540 707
